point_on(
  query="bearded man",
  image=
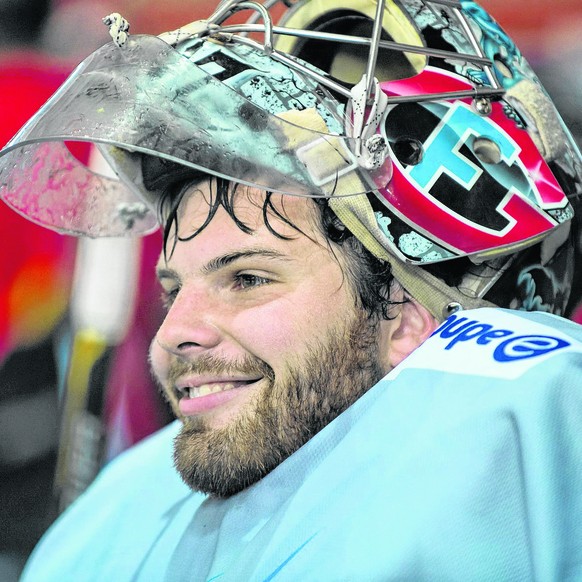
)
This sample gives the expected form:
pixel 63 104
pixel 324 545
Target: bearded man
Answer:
pixel 356 262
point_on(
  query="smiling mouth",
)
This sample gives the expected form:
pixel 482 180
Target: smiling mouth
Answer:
pixel 212 388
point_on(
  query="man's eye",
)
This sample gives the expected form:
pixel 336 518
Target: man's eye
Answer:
pixel 169 296
pixel 248 281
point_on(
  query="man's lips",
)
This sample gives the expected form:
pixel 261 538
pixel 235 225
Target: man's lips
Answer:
pixel 203 395
pixel 212 388
pixel 193 387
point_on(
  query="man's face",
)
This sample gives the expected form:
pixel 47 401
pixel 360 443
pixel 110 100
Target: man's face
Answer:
pixel 262 345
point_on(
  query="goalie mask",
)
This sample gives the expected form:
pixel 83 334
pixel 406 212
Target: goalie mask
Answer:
pixel 419 122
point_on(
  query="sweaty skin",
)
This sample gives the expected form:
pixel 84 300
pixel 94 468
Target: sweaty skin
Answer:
pixel 262 344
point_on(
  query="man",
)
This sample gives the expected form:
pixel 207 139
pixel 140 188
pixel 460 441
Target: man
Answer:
pixel 344 413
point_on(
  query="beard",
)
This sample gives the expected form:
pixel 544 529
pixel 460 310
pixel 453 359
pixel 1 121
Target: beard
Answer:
pixel 283 415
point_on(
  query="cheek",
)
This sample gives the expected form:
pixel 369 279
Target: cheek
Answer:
pixel 265 332
pixel 159 362
pixel 283 333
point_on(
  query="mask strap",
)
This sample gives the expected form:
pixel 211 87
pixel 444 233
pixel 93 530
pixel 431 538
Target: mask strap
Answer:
pixel 364 113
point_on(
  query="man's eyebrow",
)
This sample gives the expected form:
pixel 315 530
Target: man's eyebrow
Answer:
pixel 164 273
pixel 229 258
pixel 223 261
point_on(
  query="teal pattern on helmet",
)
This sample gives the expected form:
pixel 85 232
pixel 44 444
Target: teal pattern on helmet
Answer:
pixel 499 47
pixel 266 83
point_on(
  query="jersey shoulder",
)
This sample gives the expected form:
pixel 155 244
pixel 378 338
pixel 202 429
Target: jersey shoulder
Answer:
pixel 502 344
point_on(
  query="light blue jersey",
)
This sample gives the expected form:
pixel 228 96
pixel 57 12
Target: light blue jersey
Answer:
pixel 464 463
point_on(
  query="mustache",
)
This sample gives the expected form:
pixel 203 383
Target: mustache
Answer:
pixel 213 365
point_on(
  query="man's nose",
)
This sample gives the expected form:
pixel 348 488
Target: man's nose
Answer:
pixel 189 325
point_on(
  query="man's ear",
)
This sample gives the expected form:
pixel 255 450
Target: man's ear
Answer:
pixel 412 326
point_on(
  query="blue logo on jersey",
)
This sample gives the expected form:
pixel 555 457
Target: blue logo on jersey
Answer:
pixel 509 346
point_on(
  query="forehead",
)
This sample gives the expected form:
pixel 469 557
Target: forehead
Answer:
pixel 249 205
pixel 246 216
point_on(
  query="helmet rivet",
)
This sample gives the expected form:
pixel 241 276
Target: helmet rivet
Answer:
pixel 451 308
pixel 486 150
pixel 376 151
pixel 482 106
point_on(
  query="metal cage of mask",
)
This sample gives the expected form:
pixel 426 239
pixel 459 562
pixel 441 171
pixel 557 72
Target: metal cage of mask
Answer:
pixel 528 276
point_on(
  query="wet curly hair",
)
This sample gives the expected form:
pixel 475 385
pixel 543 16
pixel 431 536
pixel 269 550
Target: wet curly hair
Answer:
pixel 370 277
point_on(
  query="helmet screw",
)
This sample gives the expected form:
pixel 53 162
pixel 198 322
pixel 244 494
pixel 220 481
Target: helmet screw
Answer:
pixel 451 308
pixel 482 105
pixel 486 150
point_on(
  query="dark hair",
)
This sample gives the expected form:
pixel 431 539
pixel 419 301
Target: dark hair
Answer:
pixel 370 277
